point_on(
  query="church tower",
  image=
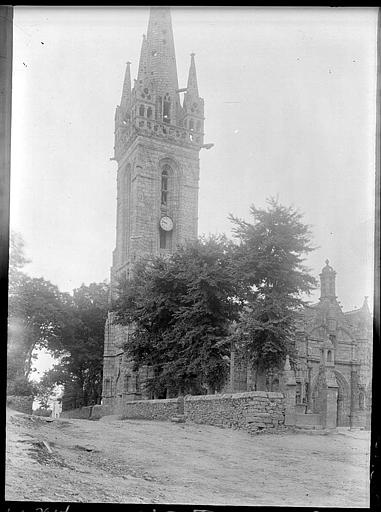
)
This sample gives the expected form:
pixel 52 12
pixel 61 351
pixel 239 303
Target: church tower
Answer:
pixel 157 144
pixel 158 138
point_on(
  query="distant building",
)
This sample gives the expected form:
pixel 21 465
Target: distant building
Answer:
pixel 157 143
pixel 331 338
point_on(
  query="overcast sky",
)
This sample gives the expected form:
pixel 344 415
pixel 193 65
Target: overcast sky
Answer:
pixel 289 104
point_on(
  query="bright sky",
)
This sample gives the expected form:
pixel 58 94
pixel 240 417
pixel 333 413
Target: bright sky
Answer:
pixel 290 106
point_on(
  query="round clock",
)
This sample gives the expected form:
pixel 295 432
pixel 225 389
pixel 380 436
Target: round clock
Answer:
pixel 166 223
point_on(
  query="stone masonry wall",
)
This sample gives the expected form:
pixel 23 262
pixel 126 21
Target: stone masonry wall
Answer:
pixel 252 411
pixel 20 403
pixel 151 409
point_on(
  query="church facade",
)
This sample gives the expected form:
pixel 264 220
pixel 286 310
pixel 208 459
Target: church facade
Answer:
pixel 158 138
pixel 333 349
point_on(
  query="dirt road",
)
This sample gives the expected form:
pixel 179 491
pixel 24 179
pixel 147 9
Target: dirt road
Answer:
pixel 131 461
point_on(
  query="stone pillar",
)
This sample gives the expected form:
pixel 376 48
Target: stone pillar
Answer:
pixel 355 414
pixel 289 389
pixel 329 399
pixel 309 395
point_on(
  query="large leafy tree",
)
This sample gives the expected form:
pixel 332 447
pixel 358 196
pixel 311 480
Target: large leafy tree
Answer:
pixel 70 327
pixel 38 317
pixel 180 308
pixel 80 365
pixel 268 262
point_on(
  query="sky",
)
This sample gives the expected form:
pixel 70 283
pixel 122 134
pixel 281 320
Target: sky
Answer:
pixel 289 105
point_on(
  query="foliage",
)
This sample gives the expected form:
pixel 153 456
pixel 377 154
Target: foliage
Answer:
pixel 81 363
pixel 180 308
pixel 17 258
pixel 20 386
pixel 71 328
pixel 39 317
pixel 269 264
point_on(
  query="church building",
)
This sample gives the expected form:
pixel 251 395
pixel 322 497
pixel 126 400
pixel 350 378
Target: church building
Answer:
pixel 158 137
pixel 333 348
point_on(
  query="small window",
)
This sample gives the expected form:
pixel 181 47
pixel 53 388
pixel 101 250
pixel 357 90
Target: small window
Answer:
pixel 164 187
pixel 329 356
pixel 167 109
pixel 191 125
pixel 149 112
pixel 141 110
pixel 198 126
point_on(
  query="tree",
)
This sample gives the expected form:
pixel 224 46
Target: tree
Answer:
pixel 81 363
pixel 17 259
pixel 269 265
pixel 181 308
pixel 37 318
pixel 71 328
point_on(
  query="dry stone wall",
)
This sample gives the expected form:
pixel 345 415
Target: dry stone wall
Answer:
pixel 151 409
pixel 252 411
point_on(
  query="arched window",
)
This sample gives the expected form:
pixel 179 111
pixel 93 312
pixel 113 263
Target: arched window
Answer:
pixel 164 186
pixel 149 112
pixel 167 109
pixel 191 124
pixel 141 110
pixel 329 356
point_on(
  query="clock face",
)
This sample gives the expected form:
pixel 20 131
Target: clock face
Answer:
pixel 166 223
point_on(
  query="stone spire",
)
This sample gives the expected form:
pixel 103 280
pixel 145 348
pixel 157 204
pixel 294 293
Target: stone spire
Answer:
pixel 142 70
pixel 126 92
pixel 192 87
pixel 327 282
pixel 158 60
